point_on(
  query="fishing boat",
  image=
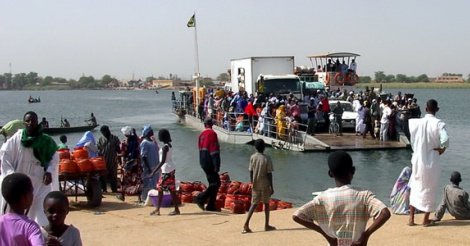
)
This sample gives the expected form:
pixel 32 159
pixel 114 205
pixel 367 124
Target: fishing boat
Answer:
pixel 63 130
pixel 34 100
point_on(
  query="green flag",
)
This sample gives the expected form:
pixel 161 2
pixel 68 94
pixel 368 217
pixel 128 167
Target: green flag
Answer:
pixel 192 21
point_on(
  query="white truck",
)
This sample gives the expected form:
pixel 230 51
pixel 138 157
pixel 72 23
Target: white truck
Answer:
pixel 273 74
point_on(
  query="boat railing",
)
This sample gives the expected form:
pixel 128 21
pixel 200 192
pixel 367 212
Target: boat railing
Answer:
pixel 294 133
pixel 238 122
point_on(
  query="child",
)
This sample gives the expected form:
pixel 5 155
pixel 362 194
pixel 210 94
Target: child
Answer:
pixel 56 208
pixel 15 227
pixel 341 213
pixel 63 143
pixel 261 168
pixel 166 181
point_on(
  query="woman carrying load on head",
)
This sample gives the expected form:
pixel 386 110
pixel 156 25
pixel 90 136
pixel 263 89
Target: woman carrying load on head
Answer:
pixel 88 142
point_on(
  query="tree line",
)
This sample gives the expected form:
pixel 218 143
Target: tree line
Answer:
pixel 32 79
pixel 381 77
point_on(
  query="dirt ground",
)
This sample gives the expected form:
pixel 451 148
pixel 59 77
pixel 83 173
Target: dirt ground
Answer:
pixel 126 223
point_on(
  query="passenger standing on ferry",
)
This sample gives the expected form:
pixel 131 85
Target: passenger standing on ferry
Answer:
pixel 200 110
pixel 311 121
pixel 338 111
pixel 330 67
pixel 353 66
pixel 344 68
pixel 392 126
pixel 360 127
pixel 384 122
pixel 368 121
pixel 250 112
pixel 210 106
pixel 375 112
pixel 415 110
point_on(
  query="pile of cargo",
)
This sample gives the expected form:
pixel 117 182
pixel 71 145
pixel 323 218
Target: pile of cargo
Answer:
pixel 78 162
pixel 232 195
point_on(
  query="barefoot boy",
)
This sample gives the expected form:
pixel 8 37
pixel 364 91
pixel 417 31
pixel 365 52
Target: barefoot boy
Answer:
pixel 341 213
pixel 261 168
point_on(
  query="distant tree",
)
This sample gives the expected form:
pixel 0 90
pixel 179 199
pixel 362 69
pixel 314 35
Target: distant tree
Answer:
pixel 161 77
pixel 468 78
pixel 47 80
pixel 379 77
pixel 223 77
pixel 390 78
pixel 61 80
pixel 32 78
pixel 19 81
pixel 87 82
pixel 422 78
pixel 401 78
pixel 365 79
pixel 108 81
pixel 3 81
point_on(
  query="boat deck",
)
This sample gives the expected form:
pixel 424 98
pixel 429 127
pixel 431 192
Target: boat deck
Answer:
pixel 349 141
pixel 319 142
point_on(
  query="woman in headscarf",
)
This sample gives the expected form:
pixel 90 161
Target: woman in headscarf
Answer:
pixel 400 197
pixel 281 122
pixel 131 180
pixel 88 142
pixel 31 152
pixel 149 155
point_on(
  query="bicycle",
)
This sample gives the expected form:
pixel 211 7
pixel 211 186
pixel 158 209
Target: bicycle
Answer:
pixel 334 125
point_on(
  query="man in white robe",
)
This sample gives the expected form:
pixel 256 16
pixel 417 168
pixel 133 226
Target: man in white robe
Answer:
pixel 16 158
pixel 429 140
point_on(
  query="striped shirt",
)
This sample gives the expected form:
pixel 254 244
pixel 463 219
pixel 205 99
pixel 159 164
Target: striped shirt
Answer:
pixel 108 149
pixel 342 212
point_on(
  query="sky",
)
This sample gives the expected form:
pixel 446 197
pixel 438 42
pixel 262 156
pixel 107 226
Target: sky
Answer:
pixel 141 38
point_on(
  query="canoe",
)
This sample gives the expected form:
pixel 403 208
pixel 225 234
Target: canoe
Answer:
pixel 63 130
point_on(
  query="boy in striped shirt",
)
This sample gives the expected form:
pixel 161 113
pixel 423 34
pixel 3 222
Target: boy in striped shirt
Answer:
pixel 340 214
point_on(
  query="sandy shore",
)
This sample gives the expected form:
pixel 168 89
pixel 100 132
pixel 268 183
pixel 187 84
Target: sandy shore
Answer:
pixel 125 223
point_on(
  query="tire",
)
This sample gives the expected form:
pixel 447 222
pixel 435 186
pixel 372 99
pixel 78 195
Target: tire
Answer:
pixel 93 192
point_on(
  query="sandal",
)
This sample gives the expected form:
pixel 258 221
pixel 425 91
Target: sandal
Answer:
pixel 246 230
pixel 411 224
pixel 155 212
pixel 430 223
pixel 174 213
pixel 270 228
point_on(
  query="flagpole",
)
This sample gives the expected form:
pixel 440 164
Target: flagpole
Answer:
pixel 196 60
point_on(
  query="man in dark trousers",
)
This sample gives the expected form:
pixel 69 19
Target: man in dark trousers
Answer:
pixel 209 159
pixel 109 147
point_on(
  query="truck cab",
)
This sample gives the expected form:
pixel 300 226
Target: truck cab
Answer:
pixel 280 85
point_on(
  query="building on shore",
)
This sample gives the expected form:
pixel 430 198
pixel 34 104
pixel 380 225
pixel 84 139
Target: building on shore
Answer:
pixel 449 78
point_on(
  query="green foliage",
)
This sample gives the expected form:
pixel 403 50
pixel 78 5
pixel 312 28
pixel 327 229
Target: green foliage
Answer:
pixel 380 77
pixel 87 82
pixel 223 77
pixel 365 79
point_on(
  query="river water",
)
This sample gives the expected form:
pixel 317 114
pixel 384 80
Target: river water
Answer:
pixel 296 175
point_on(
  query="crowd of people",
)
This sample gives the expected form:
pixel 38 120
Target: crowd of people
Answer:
pixel 34 210
pixel 382 116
